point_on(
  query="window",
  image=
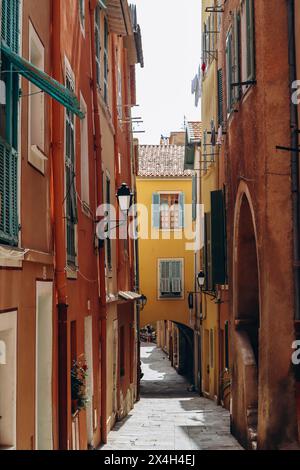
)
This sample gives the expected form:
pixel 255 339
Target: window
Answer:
pixel 168 210
pixel 220 97
pixel 105 61
pixel 122 351
pixel 194 197
pixel 120 102
pixel 207 264
pixel 249 6
pixel 108 240
pixel 229 71
pixel 82 13
pixel 9 127
pixel 170 278
pixel 226 345
pixel 71 195
pixel 36 106
pixel 98 44
pixel 84 145
pixel 218 237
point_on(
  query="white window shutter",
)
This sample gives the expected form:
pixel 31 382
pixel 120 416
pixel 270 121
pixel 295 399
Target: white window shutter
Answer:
pixel 156 210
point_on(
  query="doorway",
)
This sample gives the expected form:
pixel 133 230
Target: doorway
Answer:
pixel 88 347
pixel 8 380
pixel 44 357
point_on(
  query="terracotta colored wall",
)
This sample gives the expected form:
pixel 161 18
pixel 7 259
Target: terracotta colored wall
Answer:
pixel 262 122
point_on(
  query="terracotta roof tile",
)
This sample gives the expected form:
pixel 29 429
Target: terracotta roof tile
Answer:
pixel 162 161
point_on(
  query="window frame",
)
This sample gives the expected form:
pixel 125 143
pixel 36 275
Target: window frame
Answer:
pixel 105 61
pixel 181 211
pixel 170 296
pixel 70 166
pixel 98 43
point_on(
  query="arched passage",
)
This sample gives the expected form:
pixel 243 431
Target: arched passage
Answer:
pixel 246 316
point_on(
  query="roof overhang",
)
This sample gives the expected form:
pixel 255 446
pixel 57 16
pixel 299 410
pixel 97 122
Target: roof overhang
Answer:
pixel 119 17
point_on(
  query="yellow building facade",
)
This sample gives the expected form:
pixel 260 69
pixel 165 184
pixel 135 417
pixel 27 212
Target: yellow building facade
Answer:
pixel 166 242
pixel 209 183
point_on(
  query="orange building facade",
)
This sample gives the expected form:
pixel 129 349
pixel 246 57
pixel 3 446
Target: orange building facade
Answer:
pixel 69 133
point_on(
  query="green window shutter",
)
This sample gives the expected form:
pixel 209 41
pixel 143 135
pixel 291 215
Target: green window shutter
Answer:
pixel 176 277
pixel 8 194
pixel 156 210
pixel 218 237
pixel 229 72
pixel 207 253
pixel 220 97
pixel 10 24
pixel 236 61
pixel 164 280
pixel 250 39
pixel 194 190
pixel 181 209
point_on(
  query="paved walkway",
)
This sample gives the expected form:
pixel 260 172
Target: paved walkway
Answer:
pixel 168 417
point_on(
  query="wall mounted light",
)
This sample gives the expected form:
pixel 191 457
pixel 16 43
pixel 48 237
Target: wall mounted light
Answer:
pixel 125 198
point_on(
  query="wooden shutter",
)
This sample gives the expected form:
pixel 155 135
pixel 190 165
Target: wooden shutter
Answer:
pixel 8 194
pixel 218 237
pixel 220 97
pixel 10 24
pixel 207 253
pixel 229 70
pixel 181 209
pixel 164 277
pixel 236 60
pixel 176 277
pixel 156 210
pixel 250 39
pixel 194 196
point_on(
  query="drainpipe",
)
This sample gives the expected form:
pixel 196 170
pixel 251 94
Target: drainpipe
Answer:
pixel 60 233
pixel 101 257
pixel 294 155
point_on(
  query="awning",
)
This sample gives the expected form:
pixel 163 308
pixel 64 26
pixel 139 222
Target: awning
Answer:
pixel 43 81
pixel 128 295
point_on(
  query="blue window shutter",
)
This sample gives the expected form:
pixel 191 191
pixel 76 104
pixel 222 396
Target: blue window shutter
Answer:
pixel 194 207
pixel 181 210
pixel 156 210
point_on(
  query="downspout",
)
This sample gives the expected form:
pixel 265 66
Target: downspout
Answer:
pixel 101 257
pixel 294 155
pixel 60 233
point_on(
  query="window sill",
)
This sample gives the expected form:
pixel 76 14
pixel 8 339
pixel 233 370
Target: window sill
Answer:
pixel 171 298
pixel 11 257
pixel 71 272
pixel 37 158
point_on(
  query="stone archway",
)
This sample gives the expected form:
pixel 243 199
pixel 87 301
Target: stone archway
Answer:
pixel 246 316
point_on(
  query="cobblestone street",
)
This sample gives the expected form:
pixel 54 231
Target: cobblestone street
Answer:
pixel 168 417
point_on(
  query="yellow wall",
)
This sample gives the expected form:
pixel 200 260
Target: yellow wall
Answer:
pixel 209 182
pixel 150 251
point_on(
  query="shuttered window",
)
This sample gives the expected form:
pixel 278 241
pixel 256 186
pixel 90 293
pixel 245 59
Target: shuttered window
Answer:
pixel 98 44
pixel 168 211
pixel 71 196
pixel 207 252
pixel 170 278
pixel 194 195
pixel 82 12
pixel 10 24
pixel 108 240
pixel 250 39
pixel 229 71
pixel 237 55
pixel 220 97
pixel 105 61
pixel 218 238
pixel 9 127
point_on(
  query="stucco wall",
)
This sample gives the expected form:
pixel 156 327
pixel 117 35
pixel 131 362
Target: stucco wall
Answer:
pixel 152 250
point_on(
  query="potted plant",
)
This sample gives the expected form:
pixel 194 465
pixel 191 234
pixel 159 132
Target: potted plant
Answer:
pixel 79 373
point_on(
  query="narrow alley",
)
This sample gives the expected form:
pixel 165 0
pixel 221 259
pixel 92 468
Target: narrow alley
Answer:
pixel 168 416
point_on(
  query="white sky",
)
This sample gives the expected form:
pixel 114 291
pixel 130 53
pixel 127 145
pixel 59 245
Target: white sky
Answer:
pixel 171 33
